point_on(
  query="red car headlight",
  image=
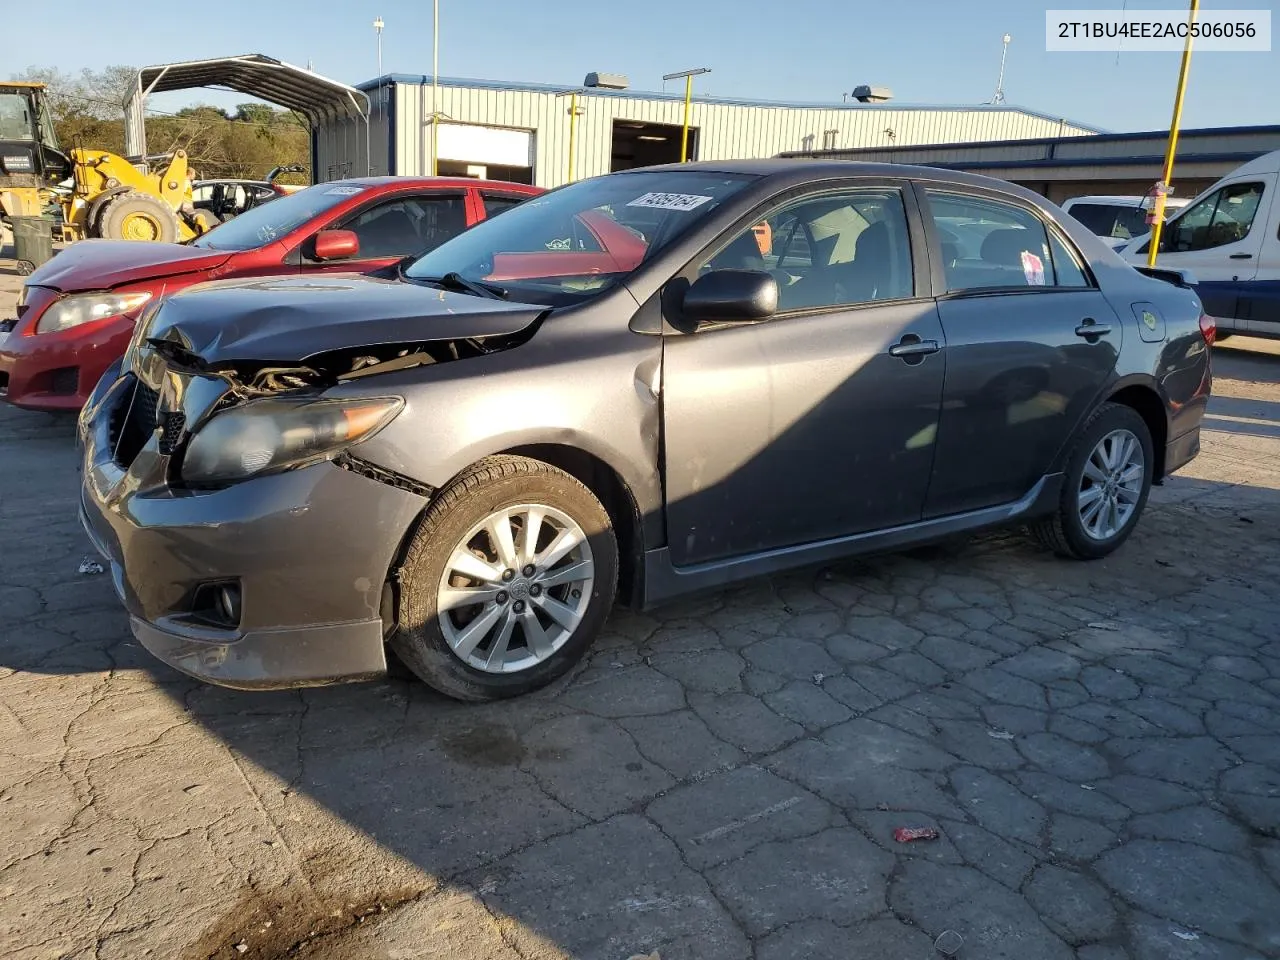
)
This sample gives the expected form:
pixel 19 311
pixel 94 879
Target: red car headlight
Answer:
pixel 82 308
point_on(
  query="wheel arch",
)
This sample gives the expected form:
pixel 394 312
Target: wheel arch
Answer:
pixel 613 492
pixel 1141 395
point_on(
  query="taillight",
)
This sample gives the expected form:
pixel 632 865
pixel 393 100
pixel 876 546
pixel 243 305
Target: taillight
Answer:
pixel 1208 329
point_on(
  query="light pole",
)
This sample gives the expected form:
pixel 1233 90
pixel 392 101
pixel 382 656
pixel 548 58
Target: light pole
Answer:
pixel 377 26
pixel 574 112
pixel 1004 53
pixel 688 98
pixel 435 88
pixel 1162 188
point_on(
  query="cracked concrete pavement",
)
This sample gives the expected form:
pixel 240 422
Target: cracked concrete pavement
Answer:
pixel 1098 746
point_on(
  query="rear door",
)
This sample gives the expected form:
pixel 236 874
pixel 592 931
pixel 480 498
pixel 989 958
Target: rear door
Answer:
pixel 1031 341
pixel 494 202
pixel 819 422
pixel 393 227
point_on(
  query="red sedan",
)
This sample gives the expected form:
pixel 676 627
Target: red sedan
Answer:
pixel 77 312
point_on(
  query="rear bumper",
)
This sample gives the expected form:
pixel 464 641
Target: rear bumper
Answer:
pixel 1181 451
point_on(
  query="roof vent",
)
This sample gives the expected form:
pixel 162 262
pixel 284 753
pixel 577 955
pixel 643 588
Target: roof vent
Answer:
pixel 869 94
pixel 606 81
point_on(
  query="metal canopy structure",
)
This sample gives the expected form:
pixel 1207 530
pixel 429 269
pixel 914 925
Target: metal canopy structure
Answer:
pixel 319 99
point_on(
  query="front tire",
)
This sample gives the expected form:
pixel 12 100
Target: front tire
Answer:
pixel 506 582
pixel 1107 480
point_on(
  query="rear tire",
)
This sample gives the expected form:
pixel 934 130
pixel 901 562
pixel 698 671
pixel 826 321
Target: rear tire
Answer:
pixel 519 615
pixel 1105 486
pixel 138 216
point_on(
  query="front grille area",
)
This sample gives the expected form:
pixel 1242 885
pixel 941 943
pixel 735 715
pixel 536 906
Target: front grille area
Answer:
pixel 132 423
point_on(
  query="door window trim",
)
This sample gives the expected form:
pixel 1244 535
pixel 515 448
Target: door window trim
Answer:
pixel 680 281
pixel 938 274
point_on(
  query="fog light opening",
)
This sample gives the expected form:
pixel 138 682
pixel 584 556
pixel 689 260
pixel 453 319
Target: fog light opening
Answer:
pixel 227 599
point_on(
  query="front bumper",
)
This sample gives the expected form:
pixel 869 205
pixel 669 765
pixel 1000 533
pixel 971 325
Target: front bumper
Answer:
pixel 58 371
pixel 309 551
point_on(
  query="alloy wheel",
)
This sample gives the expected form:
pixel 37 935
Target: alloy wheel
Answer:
pixel 1111 485
pixel 515 588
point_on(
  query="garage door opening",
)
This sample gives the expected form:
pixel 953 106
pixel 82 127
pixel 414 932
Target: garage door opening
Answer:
pixel 637 144
pixel 490 153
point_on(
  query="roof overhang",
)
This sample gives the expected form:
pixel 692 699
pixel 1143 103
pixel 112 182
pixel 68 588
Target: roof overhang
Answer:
pixel 317 98
pixel 266 78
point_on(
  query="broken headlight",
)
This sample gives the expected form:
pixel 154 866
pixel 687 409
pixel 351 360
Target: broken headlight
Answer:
pixel 263 436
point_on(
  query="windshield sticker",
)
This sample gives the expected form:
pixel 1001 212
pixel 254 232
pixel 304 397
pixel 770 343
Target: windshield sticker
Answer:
pixel 343 191
pixel 670 201
pixel 1033 269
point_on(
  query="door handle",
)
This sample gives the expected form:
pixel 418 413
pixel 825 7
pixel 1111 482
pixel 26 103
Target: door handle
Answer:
pixel 1241 256
pixel 911 346
pixel 1090 329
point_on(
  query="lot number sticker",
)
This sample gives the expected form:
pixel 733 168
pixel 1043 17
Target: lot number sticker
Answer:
pixel 1033 269
pixel 670 201
pixel 343 191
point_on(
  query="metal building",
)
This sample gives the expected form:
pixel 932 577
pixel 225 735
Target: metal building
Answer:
pixel 522 131
pixel 1110 163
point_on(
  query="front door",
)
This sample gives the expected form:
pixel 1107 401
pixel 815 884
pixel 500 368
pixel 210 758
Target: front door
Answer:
pixel 1031 341
pixel 819 422
pixel 393 228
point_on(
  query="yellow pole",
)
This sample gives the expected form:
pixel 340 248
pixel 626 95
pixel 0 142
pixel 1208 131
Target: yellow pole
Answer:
pixel 684 134
pixel 435 89
pixel 1166 176
pixel 573 131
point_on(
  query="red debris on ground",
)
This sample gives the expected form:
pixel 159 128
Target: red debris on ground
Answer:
pixel 907 834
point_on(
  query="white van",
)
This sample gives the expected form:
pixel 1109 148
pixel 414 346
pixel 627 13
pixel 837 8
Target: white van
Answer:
pixel 1228 238
pixel 1117 219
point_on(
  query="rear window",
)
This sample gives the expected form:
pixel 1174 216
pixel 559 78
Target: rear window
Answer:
pixel 265 224
pixel 1121 221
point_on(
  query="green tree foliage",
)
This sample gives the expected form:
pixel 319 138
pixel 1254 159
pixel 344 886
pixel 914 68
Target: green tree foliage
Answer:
pixel 88 111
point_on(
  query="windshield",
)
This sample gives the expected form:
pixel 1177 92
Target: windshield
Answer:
pixel 576 242
pixel 273 220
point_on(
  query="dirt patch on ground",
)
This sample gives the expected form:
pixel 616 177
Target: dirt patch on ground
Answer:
pixel 268 925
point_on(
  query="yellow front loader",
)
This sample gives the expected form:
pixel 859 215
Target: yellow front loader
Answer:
pixel 99 194
pixel 112 198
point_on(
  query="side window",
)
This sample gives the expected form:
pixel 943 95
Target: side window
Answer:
pixel 1223 217
pixel 1067 269
pixel 495 203
pixel 408 225
pixel 989 243
pixel 829 250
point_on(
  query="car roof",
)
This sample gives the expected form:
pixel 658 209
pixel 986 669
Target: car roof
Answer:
pixel 438 182
pixel 803 169
pixel 1104 198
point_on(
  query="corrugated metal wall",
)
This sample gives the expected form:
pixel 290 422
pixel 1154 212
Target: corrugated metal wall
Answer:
pixel 341 147
pixel 727 131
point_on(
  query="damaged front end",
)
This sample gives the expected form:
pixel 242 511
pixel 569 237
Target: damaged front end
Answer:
pixel 222 414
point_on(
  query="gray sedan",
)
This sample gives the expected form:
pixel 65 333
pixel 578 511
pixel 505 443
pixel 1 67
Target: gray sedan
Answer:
pixel 631 388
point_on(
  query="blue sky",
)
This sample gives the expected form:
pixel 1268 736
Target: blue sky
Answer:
pixel 934 51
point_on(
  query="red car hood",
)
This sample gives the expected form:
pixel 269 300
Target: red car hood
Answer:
pixel 99 264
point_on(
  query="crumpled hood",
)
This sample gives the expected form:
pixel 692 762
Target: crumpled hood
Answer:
pixel 291 319
pixel 102 264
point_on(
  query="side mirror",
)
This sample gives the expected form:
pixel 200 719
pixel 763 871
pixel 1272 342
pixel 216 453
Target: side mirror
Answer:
pixel 336 245
pixel 731 296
